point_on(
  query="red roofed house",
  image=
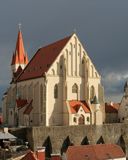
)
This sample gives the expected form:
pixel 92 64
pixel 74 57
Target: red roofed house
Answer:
pixel 39 155
pixel 111 110
pixel 60 81
pixel 95 152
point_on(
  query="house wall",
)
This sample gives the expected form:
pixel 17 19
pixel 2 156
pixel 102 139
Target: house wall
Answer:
pixel 112 118
pixel 123 109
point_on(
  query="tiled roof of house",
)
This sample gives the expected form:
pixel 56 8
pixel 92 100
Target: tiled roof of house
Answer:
pixel 42 60
pixel 93 152
pixel 75 105
pixel 111 107
pixel 29 156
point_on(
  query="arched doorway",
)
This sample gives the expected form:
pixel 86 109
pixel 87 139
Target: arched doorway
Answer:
pixel 81 120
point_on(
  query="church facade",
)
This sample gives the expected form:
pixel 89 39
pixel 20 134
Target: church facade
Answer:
pixel 58 86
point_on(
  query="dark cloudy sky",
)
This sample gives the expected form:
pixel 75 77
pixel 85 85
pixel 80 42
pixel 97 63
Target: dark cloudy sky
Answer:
pixel 102 26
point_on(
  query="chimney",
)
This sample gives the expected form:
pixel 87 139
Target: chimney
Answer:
pixel 40 153
pixel 55 157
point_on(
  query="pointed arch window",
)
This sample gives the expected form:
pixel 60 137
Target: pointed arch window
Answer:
pixel 75 88
pixel 56 91
pixel 41 97
pixel 92 92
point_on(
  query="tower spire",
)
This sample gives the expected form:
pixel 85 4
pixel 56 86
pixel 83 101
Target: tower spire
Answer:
pixel 20 56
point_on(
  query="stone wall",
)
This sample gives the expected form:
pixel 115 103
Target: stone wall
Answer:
pixel 56 139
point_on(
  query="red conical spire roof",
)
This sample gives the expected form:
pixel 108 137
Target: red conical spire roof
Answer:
pixel 19 57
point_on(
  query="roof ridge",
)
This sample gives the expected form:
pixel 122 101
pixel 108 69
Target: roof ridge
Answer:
pixel 42 61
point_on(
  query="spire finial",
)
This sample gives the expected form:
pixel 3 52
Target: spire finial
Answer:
pixel 74 30
pixel 19 26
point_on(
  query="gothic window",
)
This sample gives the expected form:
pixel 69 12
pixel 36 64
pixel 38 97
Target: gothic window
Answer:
pixel 11 113
pixel 56 91
pixel 75 88
pixel 71 48
pixel 88 119
pixel 92 70
pixel 41 97
pixel 92 92
pixel 74 119
pixel 79 49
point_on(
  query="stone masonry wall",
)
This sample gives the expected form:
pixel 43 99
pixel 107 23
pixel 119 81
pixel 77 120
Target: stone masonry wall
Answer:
pixel 56 139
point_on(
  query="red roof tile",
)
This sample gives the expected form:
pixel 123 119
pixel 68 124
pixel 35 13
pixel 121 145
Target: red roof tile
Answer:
pixel 93 152
pixel 29 156
pixel 75 105
pixel 111 107
pixel 28 108
pixel 42 60
pixel 56 157
pixel 21 102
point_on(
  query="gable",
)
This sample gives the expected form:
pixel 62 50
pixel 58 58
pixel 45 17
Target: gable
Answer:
pixel 76 105
pixel 42 60
pixel 75 59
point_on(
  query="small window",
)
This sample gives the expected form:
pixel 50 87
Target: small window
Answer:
pixel 88 119
pixel 92 92
pixel 60 66
pixel 74 119
pixel 74 88
pixel 56 91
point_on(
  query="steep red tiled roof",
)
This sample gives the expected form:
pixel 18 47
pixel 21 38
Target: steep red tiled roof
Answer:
pixel 75 105
pixel 42 60
pixel 28 108
pixel 29 156
pixel 93 152
pixel 111 107
pixel 21 102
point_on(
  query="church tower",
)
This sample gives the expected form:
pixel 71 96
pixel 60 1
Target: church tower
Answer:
pixel 19 58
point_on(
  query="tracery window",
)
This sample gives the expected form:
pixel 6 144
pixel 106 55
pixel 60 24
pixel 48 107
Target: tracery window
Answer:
pixel 41 97
pixel 74 88
pixel 56 91
pixel 92 92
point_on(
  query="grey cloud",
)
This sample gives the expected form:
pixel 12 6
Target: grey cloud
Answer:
pixel 102 27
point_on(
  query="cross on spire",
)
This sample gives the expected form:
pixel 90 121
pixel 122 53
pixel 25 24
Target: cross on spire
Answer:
pixel 19 26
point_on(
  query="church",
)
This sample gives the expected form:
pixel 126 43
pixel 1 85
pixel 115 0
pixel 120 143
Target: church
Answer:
pixel 58 86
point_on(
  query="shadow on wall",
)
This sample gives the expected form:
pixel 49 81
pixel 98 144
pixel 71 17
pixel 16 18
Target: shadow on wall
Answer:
pixel 67 142
pixel 121 143
pixel 100 141
pixel 85 141
pixel 48 145
pixel 65 145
